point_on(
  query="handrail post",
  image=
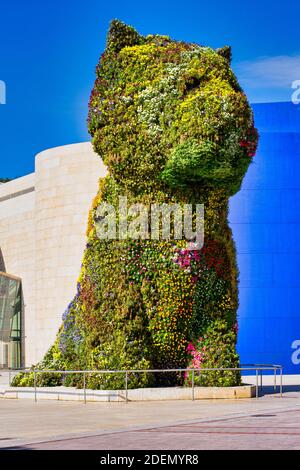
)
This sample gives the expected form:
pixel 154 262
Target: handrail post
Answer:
pixel 126 386
pixel 256 384
pixel 34 382
pixel 84 388
pixel 261 380
pixel 193 384
pixel 281 382
pixel 275 376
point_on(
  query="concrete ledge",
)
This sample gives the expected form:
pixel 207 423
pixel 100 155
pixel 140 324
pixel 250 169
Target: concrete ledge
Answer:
pixel 141 394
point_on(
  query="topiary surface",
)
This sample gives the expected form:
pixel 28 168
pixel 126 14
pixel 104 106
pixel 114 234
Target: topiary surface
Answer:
pixel 172 125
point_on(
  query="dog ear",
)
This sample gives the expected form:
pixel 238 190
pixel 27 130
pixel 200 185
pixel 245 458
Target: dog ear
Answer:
pixel 121 35
pixel 225 52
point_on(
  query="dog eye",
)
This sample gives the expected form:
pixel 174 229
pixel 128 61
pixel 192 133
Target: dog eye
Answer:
pixel 193 83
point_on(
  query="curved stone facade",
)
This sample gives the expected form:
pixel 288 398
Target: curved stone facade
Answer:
pixel 42 236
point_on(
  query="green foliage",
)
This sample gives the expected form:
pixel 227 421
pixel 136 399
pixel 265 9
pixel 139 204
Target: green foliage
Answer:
pixel 216 349
pixel 225 52
pixel 156 101
pixel 172 125
pixel 121 35
pixel 196 162
pixel 54 359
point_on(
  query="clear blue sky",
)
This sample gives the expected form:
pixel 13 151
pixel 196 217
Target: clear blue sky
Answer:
pixel 49 49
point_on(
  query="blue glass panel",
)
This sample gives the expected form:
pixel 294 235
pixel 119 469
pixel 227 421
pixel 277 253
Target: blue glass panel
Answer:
pixel 276 164
pixel 277 117
pixel 256 206
pixel 290 204
pixel 248 340
pixel 269 303
pixel 286 271
pixel 267 238
pixel 258 273
pixel 265 219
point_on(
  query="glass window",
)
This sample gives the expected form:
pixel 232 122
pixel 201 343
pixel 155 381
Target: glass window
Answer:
pixel 10 321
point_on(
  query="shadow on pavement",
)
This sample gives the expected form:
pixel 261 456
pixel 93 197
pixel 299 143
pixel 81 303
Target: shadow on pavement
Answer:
pixel 269 389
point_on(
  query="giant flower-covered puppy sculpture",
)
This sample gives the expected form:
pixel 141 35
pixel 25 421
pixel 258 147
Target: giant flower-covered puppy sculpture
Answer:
pixel 172 125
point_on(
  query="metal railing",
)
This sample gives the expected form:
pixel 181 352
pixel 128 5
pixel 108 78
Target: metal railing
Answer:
pixel 257 368
pixel 275 367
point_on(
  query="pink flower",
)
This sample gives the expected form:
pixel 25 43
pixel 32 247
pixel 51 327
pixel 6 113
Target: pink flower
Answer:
pixel 191 347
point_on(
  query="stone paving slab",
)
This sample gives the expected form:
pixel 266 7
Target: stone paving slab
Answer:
pixel 269 422
pixel 262 431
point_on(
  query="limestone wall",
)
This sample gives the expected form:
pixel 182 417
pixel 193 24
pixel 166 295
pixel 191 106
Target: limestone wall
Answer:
pixel 42 235
pixel 17 244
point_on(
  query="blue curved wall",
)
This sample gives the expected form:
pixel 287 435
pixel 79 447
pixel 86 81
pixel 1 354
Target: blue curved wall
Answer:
pixel 265 219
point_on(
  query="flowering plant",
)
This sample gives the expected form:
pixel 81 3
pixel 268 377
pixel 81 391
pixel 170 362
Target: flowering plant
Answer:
pixel 172 125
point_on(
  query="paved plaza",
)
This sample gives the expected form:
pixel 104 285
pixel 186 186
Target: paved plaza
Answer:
pixel 270 422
